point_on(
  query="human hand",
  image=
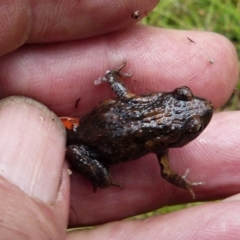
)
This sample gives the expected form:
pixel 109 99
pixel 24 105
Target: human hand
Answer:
pixel 34 184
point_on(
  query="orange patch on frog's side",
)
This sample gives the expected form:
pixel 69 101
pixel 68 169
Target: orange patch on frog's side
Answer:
pixel 69 122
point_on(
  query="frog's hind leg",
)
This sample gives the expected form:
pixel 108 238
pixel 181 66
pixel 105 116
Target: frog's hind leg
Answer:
pixel 173 177
pixel 84 160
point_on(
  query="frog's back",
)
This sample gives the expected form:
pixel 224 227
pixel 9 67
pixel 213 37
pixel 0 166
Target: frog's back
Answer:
pixel 123 130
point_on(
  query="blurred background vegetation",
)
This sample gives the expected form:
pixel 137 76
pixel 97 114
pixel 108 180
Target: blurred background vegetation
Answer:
pixel 209 15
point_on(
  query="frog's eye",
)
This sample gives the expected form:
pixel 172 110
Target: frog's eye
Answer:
pixel 183 94
pixel 194 125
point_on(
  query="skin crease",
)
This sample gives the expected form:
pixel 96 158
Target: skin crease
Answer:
pixel 34 184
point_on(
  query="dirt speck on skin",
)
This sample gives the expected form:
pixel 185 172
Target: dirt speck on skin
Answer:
pixel 77 102
pixel 135 14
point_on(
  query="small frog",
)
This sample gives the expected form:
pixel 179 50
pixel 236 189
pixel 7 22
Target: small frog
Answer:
pixel 131 126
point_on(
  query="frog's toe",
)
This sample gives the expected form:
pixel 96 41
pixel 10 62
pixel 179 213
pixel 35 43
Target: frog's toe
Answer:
pixel 104 180
pixel 189 184
pixel 117 184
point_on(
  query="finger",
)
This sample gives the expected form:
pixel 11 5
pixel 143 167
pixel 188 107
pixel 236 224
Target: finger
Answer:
pixel 212 158
pixel 34 187
pixel 51 21
pixel 213 220
pixel 59 74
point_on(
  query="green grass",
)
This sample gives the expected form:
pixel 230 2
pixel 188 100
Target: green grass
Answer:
pixel 166 209
pixel 218 16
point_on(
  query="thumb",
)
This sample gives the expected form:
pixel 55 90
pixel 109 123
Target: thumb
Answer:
pixel 34 184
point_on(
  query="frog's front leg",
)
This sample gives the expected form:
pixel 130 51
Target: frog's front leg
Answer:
pixel 84 160
pixel 112 77
pixel 173 177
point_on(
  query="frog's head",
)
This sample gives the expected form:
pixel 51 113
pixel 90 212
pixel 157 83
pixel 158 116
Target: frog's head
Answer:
pixel 190 116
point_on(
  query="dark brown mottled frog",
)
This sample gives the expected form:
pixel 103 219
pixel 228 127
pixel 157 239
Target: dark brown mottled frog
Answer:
pixel 131 126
